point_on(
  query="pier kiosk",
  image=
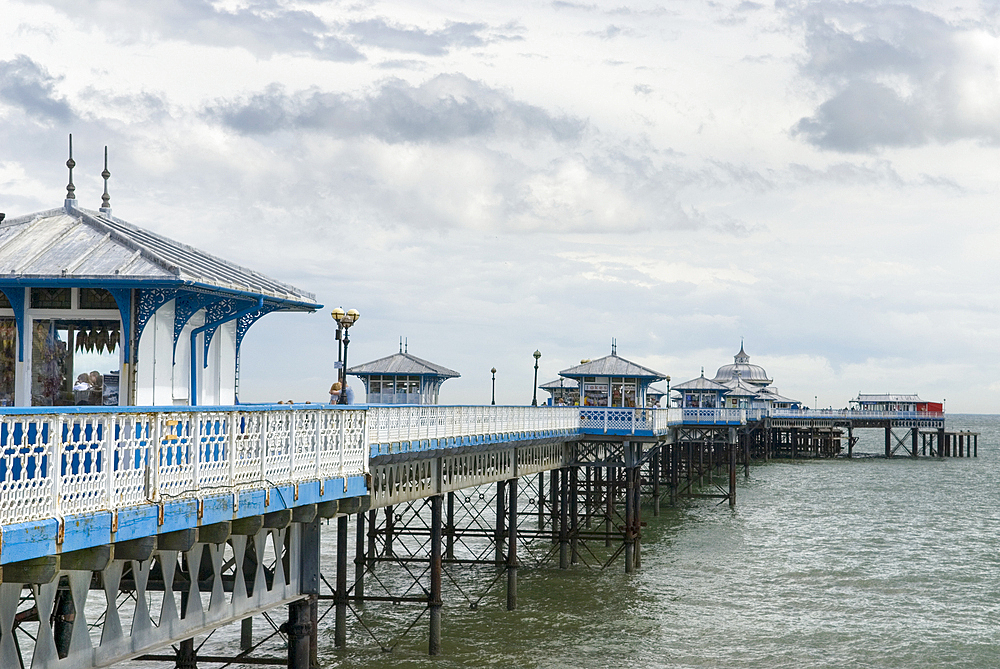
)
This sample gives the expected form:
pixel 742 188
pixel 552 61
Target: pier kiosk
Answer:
pixel 97 311
pixel 612 381
pixel 402 378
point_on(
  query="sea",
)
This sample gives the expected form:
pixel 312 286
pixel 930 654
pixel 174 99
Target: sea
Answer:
pixel 860 563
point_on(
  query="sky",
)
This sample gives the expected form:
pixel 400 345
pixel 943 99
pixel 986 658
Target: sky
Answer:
pixel 816 179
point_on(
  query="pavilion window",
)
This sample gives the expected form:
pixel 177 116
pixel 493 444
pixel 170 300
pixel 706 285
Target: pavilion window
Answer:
pixel 96 298
pixel 51 298
pixel 4 302
pixel 8 352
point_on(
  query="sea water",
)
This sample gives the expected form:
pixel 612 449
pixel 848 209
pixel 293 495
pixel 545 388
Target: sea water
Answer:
pixel 868 562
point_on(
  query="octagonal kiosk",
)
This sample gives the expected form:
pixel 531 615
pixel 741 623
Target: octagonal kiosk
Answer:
pixel 402 378
pixel 612 381
pixel 95 310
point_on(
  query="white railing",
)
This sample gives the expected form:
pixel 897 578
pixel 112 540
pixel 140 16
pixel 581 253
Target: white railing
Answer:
pixel 618 420
pixel 55 463
pixel 391 424
pixel 727 416
pixel 855 414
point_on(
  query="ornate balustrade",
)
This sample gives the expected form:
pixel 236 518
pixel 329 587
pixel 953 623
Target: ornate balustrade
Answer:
pixel 61 462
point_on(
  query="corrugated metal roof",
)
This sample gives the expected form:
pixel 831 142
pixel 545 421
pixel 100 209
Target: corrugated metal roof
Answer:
pixel 72 243
pixel 402 363
pixel 887 397
pixel 560 383
pixel 701 383
pixel 612 365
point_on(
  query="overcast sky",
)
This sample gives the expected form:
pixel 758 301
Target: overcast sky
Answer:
pixel 484 179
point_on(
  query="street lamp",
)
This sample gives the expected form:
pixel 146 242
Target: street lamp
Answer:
pixel 493 371
pixel 534 397
pixel 668 391
pixel 344 321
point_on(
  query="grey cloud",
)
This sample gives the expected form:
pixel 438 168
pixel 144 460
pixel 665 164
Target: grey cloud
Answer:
pixel 263 28
pixel 897 76
pixel 380 33
pixel 610 32
pixel 27 85
pixel 445 108
pixel 865 115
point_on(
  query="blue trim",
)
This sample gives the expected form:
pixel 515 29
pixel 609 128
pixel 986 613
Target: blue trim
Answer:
pixel 24 541
pixel 16 299
pixel 194 341
pixel 150 300
pixel 187 305
pixel 123 298
pixel 30 411
pixel 27 281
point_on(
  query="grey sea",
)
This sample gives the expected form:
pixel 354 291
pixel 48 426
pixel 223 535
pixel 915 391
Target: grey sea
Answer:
pixel 846 563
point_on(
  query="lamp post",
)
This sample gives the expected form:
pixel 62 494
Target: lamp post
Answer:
pixel 668 391
pixel 534 397
pixel 344 321
pixel 493 401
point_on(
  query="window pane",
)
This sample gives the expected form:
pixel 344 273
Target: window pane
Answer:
pixel 8 350
pixel 50 298
pixel 96 298
pixel 4 302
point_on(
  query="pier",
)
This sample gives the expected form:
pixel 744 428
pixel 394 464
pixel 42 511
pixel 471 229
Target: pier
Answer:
pixel 143 504
pixel 203 517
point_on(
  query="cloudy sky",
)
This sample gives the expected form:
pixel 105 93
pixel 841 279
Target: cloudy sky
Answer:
pixel 486 178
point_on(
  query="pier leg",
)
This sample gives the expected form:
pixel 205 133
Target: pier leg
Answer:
pixel 359 560
pixel 554 504
pixel 574 514
pixel 309 572
pixel 449 529
pixel 850 441
pixel 655 469
pixel 609 503
pixel 434 600
pixel 637 508
pixel 389 523
pixel 499 530
pixel 186 658
pixel 888 441
pixel 512 547
pixel 588 499
pixel 914 436
pixel 340 619
pixel 675 479
pixel 629 518
pixel 246 633
pixel 564 518
pixel 298 634
pixel 541 500
pixel 372 534
pixel 732 467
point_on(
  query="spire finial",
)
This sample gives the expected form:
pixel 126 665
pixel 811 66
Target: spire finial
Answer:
pixel 70 188
pixel 614 346
pixel 106 199
pixel 400 343
pixel 407 345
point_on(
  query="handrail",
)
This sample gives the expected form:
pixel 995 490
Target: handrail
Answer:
pixel 58 461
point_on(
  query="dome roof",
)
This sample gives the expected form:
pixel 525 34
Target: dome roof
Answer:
pixel 742 369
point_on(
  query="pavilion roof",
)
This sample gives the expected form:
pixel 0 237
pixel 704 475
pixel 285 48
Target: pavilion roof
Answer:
pixel 701 383
pixel 612 365
pixel 402 364
pixel 73 245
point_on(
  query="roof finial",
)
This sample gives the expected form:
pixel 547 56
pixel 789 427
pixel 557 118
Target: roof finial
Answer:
pixel 70 188
pixel 703 371
pixel 106 199
pixel 614 346
pixel 400 343
pixel 407 345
